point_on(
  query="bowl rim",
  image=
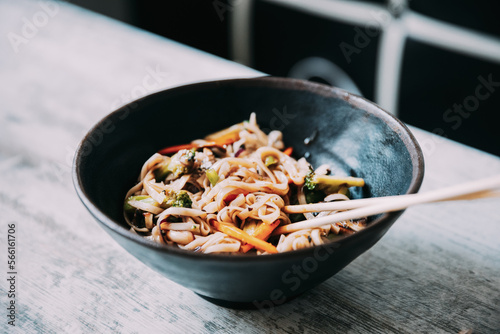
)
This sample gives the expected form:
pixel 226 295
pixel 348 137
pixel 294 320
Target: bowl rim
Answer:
pixel 394 123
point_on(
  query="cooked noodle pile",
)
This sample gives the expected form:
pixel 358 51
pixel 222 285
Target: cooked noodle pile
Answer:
pixel 226 193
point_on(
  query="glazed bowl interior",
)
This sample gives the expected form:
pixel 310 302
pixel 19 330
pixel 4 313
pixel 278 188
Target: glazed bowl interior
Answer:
pixel 354 136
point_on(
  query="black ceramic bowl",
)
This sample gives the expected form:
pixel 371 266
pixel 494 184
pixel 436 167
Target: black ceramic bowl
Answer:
pixel 352 135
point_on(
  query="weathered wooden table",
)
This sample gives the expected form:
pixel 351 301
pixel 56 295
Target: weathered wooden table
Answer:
pixel 62 69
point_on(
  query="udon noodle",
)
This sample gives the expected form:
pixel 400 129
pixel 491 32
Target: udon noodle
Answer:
pixel 226 193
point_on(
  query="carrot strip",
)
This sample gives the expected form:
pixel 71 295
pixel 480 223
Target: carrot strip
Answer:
pixel 229 132
pixel 229 198
pixel 288 151
pixel 246 247
pixel 227 139
pixel 176 148
pixel 220 138
pixel 241 235
pixel 221 141
pixel 262 232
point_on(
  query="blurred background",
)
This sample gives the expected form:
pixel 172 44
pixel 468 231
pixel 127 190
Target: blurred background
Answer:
pixel 433 63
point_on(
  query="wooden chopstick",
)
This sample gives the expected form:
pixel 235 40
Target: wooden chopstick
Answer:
pixel 335 206
pixel 369 207
pixel 359 203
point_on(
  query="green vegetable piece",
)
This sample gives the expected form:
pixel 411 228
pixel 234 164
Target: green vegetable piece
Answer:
pixel 331 184
pixel 178 169
pixel 178 199
pixel 333 236
pixel 338 181
pixel 182 200
pixel 345 191
pixel 190 154
pixel 308 182
pixel 212 175
pixel 270 160
pixel 162 172
pixel 175 166
pixel 296 217
pixel 141 198
pixel 174 219
pixel 314 196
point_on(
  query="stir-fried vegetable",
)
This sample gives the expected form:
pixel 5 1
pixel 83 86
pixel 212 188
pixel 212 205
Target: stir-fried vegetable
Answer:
pixel 314 196
pixel 172 198
pixel 212 176
pixel 180 164
pixel 179 199
pixel 270 160
pixel 141 198
pixel 176 148
pixel 226 136
pixel 239 234
pixel 288 151
pixel 220 138
pixel 331 184
pixel 260 231
pixel 174 168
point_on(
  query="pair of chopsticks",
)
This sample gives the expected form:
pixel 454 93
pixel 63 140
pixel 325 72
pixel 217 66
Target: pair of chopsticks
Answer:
pixel 365 207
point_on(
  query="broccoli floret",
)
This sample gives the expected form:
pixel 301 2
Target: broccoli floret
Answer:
pixel 330 184
pixel 182 200
pixel 174 167
pixel 178 199
pixel 177 169
pixel 181 163
pixel 314 196
pixel 308 182
pixel 189 155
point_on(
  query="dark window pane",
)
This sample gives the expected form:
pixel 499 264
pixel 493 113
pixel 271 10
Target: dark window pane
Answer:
pixel 480 15
pixel 283 37
pixel 451 94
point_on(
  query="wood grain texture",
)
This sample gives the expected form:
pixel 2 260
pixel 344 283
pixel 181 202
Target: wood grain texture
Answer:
pixel 436 271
